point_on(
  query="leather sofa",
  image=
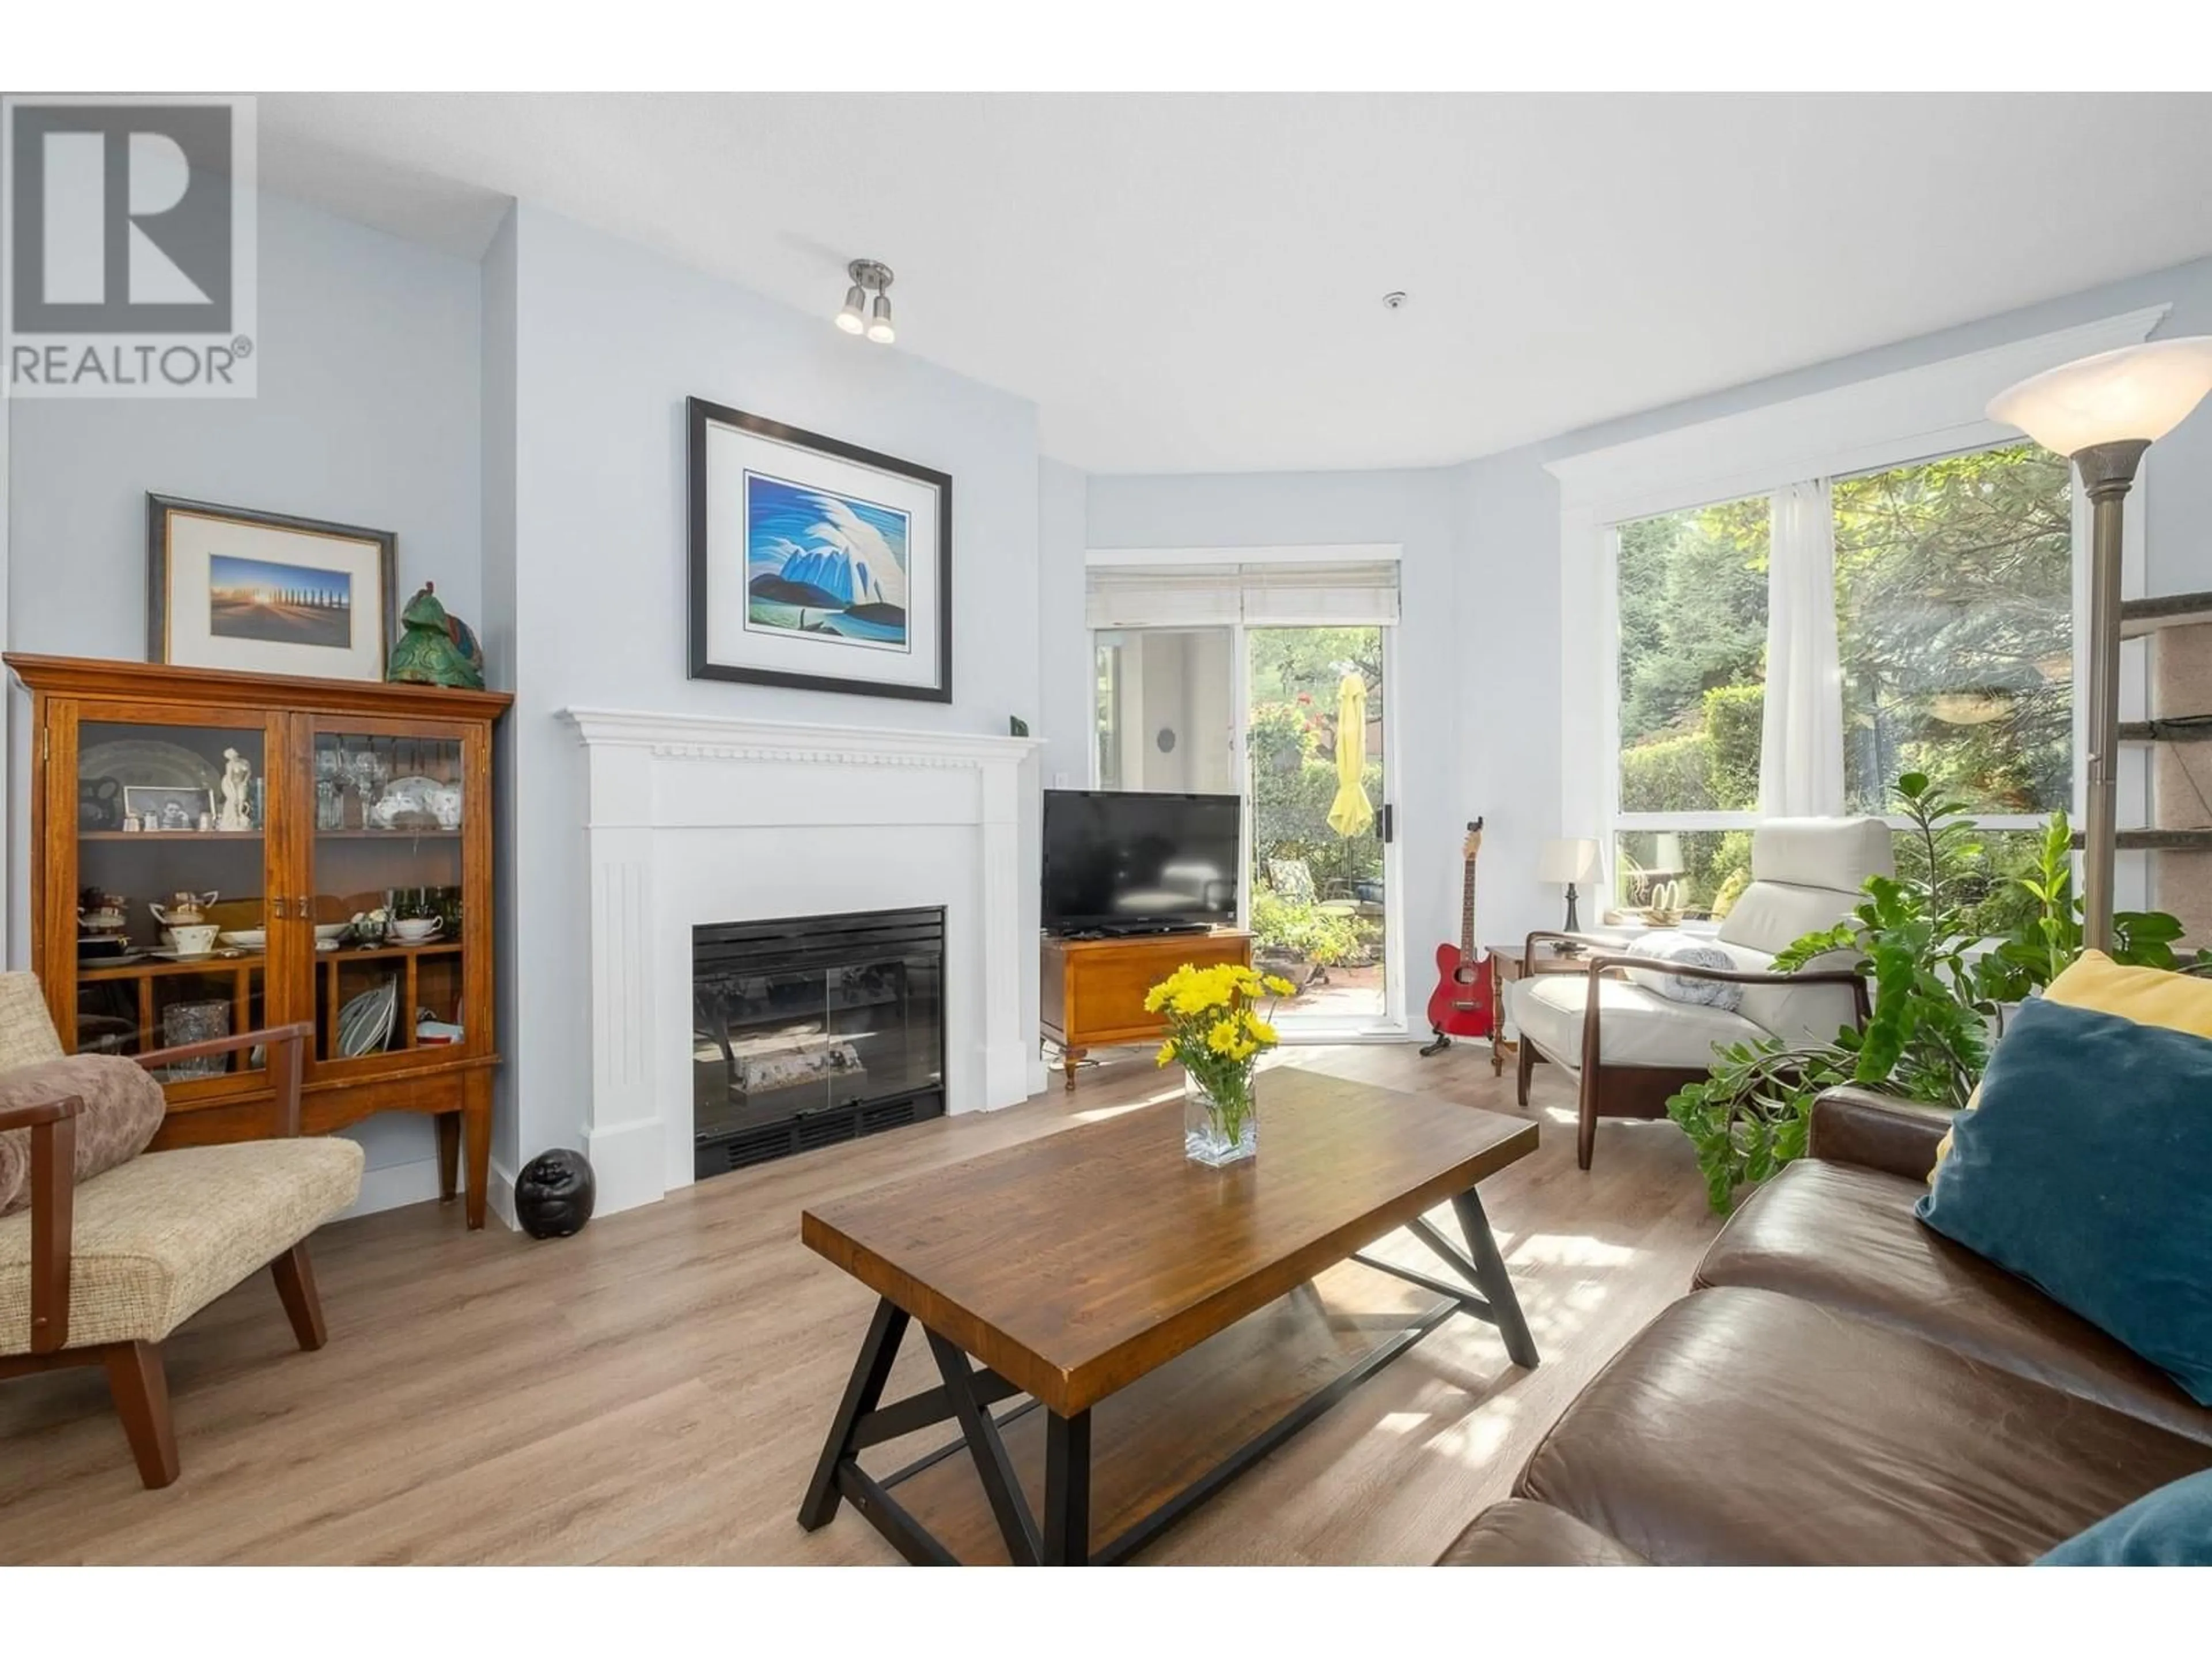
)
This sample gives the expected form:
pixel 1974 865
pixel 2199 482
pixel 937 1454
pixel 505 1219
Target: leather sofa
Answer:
pixel 1843 1386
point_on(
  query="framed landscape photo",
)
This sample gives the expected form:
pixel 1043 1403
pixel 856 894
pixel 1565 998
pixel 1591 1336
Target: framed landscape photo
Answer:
pixel 816 563
pixel 229 587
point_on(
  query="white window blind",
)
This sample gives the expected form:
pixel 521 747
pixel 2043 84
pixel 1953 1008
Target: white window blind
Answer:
pixel 1275 592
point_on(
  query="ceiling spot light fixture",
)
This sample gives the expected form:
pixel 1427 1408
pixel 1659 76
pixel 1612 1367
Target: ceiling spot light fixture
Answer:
pixel 869 277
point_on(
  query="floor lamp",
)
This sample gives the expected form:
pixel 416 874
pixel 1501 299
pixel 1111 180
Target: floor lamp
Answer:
pixel 2102 413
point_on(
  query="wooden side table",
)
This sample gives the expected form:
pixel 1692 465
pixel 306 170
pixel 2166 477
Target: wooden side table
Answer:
pixel 1506 965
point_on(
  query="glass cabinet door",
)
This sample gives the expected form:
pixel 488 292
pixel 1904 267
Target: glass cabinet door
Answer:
pixel 391 817
pixel 173 871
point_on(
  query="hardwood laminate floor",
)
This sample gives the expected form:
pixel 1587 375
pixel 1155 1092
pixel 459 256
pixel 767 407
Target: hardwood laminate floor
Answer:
pixel 656 1388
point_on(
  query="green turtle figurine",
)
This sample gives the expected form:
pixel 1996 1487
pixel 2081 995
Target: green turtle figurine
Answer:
pixel 435 648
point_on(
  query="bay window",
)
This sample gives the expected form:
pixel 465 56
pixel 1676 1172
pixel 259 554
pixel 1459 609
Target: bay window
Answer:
pixel 1927 610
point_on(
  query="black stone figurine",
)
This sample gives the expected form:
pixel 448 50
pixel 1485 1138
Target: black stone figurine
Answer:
pixel 553 1195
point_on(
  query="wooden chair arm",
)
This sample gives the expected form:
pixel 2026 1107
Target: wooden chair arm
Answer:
pixel 53 1124
pixel 284 1045
pixel 224 1045
pixel 40 1111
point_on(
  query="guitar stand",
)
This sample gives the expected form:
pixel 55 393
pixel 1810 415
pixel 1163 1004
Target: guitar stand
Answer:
pixel 1442 1043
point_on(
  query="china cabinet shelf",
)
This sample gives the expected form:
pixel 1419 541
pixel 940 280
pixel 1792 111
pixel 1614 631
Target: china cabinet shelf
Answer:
pixel 179 730
pixel 162 837
pixel 214 965
pixel 345 953
pixel 388 835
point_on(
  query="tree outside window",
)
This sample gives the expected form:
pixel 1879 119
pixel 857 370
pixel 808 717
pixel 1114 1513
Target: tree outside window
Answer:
pixel 1954 614
pixel 1693 604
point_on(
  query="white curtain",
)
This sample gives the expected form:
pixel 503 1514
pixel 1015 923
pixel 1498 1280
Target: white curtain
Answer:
pixel 1801 764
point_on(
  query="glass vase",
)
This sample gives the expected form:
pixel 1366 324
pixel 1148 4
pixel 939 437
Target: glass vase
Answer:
pixel 1221 1123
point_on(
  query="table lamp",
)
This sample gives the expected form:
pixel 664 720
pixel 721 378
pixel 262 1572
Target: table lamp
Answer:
pixel 1567 861
pixel 2102 413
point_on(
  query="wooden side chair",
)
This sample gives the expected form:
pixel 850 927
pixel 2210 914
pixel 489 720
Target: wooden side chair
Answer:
pixel 100 1272
pixel 1628 1048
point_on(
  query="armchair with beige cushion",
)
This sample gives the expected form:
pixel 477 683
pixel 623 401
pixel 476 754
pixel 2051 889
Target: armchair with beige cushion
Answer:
pixel 99 1268
pixel 1629 1047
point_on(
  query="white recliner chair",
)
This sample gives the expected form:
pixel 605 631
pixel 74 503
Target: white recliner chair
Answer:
pixel 1629 1044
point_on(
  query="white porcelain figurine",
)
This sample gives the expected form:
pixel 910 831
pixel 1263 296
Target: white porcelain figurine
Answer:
pixel 237 773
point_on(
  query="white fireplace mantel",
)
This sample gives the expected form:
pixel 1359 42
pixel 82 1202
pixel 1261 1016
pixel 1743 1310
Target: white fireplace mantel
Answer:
pixel 693 818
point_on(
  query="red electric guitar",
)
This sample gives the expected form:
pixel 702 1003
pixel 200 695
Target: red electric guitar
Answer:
pixel 1464 1002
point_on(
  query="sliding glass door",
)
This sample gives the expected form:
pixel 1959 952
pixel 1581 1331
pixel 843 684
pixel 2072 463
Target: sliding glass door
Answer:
pixel 1319 896
pixel 1293 720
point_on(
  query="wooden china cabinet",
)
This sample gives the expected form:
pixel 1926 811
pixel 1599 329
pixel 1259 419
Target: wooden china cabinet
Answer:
pixel 357 797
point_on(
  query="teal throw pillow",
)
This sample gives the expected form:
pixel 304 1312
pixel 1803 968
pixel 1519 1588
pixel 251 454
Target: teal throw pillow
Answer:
pixel 2170 1527
pixel 2088 1172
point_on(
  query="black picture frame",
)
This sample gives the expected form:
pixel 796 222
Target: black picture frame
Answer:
pixel 158 511
pixel 195 803
pixel 700 414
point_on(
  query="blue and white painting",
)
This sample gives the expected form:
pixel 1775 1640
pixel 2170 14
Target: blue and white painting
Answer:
pixel 821 563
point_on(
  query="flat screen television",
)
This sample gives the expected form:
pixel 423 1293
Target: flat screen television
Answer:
pixel 1134 863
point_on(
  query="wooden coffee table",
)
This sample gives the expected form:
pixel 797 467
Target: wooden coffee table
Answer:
pixel 1078 1265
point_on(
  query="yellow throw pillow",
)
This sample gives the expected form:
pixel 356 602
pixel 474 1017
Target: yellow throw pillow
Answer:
pixel 2148 996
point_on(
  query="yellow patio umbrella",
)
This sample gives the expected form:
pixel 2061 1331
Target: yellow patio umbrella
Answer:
pixel 1349 814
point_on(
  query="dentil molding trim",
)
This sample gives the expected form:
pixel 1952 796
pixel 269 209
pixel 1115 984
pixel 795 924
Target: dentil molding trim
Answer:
pixel 707 736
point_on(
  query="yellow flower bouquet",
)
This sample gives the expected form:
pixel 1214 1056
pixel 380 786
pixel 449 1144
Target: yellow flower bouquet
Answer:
pixel 1216 1030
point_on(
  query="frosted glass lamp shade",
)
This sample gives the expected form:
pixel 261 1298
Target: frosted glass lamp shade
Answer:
pixel 852 317
pixel 1564 861
pixel 2139 392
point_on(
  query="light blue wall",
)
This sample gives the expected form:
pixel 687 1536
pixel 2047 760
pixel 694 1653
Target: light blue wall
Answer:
pixel 502 650
pixel 368 414
pixel 609 339
pixel 1064 705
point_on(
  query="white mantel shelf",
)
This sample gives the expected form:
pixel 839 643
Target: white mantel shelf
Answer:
pixel 693 819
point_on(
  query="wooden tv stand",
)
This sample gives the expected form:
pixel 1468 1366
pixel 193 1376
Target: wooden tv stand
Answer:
pixel 1093 990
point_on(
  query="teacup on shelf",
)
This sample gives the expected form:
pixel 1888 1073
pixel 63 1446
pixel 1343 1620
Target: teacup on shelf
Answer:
pixel 416 930
pixel 194 940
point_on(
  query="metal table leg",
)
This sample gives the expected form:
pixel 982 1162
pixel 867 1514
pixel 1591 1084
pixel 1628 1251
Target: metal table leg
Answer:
pixel 1068 1490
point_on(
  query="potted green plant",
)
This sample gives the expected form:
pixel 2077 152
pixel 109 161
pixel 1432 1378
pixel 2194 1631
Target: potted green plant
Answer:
pixel 1940 987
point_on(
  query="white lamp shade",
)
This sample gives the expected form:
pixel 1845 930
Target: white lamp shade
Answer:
pixel 2141 393
pixel 1563 861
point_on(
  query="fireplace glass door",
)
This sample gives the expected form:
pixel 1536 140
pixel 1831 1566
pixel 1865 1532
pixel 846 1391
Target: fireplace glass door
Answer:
pixel 813 1029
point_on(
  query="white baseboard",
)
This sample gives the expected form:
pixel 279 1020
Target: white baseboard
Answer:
pixel 500 1201
pixel 629 1161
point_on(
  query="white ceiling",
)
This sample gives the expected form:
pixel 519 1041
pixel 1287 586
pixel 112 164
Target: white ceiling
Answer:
pixel 1193 283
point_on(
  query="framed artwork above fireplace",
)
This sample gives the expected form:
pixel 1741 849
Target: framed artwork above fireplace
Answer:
pixel 816 563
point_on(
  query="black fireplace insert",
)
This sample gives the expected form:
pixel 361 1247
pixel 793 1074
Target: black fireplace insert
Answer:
pixel 809 1030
